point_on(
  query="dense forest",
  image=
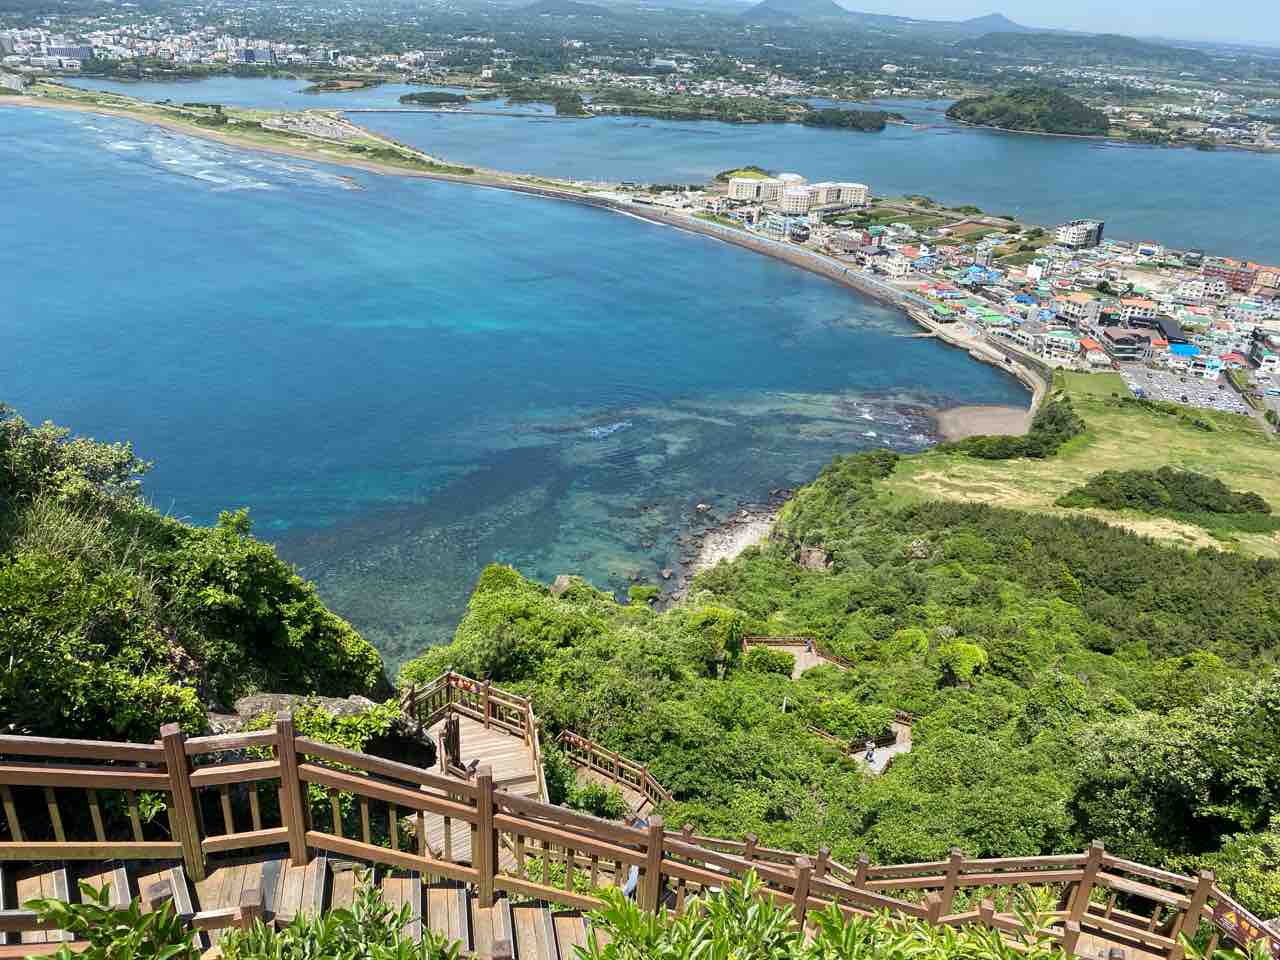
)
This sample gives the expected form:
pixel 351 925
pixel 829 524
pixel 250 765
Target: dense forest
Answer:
pixel 1070 681
pixel 115 618
pixel 1034 109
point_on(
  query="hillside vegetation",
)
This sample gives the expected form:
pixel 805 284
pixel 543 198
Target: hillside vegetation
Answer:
pixel 1071 681
pixel 115 619
pixel 1033 109
pixel 1121 434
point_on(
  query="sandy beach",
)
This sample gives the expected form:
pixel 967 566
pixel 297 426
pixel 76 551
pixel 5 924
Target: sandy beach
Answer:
pixel 968 421
pixel 727 541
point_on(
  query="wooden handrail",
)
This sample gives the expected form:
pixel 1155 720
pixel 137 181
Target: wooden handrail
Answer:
pixel 672 865
pixel 612 764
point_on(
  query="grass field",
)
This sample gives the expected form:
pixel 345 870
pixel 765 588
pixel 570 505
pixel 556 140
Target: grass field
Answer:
pixel 1118 437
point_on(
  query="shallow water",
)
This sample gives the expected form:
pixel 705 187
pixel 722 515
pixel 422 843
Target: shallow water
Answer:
pixel 405 380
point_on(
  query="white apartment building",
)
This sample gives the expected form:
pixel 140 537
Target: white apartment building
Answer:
pixel 897 265
pixel 1191 291
pixel 1079 234
pixel 856 193
pixel 796 200
pixel 765 189
pixel 823 194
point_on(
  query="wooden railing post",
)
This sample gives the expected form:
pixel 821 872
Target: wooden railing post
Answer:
pixel 291 790
pixel 954 863
pixel 1092 864
pixel 822 866
pixel 1070 937
pixel 749 847
pixel 484 843
pixel 933 908
pixel 1189 921
pixel 804 872
pixel 987 913
pixel 860 871
pixel 484 702
pixel 652 888
pixel 182 808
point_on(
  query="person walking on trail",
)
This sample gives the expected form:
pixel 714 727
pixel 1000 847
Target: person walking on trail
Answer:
pixel 871 751
pixel 808 644
pixel 633 875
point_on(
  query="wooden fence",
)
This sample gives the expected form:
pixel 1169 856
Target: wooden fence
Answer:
pixel 80 800
pixel 818 647
pixel 589 754
pixel 481 701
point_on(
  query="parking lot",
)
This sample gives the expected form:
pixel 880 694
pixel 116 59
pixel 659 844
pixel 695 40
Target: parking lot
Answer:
pixel 1179 388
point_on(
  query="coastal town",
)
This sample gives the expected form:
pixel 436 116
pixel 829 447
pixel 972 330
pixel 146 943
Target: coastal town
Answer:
pixel 1179 325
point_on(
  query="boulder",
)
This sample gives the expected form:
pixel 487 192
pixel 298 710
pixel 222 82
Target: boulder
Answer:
pixel 561 584
pixel 814 558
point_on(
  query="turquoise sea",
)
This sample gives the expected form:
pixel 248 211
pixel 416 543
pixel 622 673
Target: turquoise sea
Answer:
pixel 404 380
pixel 1222 201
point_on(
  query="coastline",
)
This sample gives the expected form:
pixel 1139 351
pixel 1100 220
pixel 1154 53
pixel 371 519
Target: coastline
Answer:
pixel 1118 141
pixel 800 257
pixel 751 523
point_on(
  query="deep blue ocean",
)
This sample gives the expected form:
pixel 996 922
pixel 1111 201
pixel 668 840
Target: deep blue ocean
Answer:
pixel 1223 202
pixel 405 380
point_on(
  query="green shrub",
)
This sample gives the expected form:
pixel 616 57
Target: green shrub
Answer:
pixel 766 660
pixel 599 800
pixel 737 924
pixel 369 930
pixel 117 934
pixel 115 619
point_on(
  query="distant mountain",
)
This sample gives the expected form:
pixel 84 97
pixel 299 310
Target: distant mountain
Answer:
pixel 1106 49
pixel 779 11
pixel 994 23
pixel 566 8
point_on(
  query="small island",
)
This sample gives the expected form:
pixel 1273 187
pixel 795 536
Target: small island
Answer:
pixel 870 121
pixel 434 98
pixel 343 84
pixel 1032 109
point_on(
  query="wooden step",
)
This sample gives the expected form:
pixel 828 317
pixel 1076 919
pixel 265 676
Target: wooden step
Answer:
pixel 571 931
pixel 535 932
pixel 343 878
pixel 402 888
pixel 447 912
pixel 491 928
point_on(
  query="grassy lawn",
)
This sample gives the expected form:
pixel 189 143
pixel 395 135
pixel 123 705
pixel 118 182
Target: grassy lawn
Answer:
pixel 1118 437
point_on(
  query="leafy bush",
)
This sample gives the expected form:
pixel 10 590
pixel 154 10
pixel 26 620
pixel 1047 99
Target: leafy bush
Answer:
pixel 737 923
pixel 115 619
pixel 766 660
pixel 599 800
pixel 370 930
pixel 563 788
pixel 117 934
pixel 1167 491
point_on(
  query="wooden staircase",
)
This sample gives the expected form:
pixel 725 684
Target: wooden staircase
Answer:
pixel 515 928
